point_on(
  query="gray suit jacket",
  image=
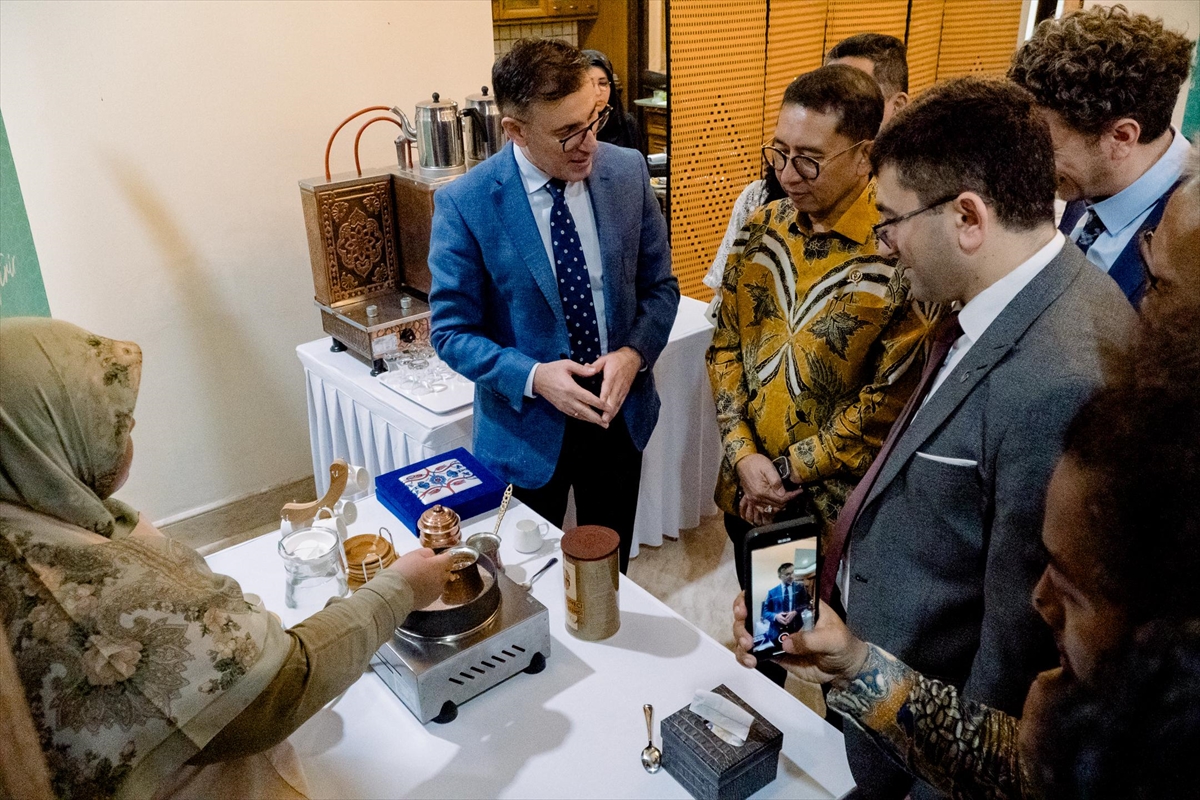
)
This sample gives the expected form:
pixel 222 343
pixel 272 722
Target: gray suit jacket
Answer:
pixel 943 558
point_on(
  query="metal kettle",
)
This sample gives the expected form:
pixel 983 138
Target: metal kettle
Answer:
pixel 485 135
pixel 438 134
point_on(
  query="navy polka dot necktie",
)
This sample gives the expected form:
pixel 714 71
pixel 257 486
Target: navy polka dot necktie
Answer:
pixel 1092 228
pixel 574 285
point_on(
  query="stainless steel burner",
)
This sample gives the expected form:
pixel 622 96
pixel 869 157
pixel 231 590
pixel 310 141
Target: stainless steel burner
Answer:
pixel 433 677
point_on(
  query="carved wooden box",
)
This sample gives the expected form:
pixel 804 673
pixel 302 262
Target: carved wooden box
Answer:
pixel 352 239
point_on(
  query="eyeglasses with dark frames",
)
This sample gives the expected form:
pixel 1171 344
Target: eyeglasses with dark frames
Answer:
pixel 573 141
pixel 881 229
pixel 806 167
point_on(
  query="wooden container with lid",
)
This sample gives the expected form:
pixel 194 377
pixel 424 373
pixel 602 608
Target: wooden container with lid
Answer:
pixel 591 577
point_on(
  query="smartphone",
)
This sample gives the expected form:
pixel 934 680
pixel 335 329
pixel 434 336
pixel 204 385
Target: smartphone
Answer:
pixel 782 565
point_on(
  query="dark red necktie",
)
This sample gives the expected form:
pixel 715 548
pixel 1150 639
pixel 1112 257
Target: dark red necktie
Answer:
pixel 948 331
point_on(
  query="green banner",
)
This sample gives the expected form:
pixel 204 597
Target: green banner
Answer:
pixel 22 293
pixel 1191 108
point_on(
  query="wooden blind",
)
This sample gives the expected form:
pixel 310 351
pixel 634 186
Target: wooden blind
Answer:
pixel 924 42
pixel 717 67
pixel 848 17
pixel 728 72
pixel 978 37
pixel 795 45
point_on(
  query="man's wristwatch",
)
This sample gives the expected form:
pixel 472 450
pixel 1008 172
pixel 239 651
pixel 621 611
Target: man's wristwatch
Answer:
pixel 783 465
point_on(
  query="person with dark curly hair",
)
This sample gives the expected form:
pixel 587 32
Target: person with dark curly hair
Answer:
pixel 1131 737
pixel 1106 82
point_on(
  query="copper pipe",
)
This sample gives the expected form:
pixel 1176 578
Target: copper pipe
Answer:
pixel 332 136
pixel 360 133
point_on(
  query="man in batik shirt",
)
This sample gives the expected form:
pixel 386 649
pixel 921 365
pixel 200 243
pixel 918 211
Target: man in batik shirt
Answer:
pixel 817 346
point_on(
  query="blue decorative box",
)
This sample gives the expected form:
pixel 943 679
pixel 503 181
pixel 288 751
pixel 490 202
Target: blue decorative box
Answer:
pixel 453 480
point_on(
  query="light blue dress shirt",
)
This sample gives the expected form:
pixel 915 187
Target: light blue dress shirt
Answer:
pixel 580 204
pixel 1124 212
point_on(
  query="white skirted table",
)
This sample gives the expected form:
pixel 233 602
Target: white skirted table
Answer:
pixel 351 415
pixel 574 730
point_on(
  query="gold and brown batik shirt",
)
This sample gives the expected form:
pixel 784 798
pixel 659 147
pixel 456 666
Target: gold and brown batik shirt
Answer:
pixel 816 350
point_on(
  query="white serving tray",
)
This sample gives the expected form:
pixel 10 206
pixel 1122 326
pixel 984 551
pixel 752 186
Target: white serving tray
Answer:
pixel 459 392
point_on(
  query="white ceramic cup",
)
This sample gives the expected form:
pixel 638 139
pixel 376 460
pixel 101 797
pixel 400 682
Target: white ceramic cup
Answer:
pixel 528 538
pixel 347 510
pixel 327 519
pixel 358 481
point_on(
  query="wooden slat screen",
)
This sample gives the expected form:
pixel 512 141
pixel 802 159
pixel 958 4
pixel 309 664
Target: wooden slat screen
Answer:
pixel 978 37
pixel 728 73
pixel 717 67
pixel 795 45
pixel 848 17
pixel 924 41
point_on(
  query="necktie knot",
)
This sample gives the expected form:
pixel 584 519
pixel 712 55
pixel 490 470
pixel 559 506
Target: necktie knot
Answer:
pixel 556 187
pixel 949 330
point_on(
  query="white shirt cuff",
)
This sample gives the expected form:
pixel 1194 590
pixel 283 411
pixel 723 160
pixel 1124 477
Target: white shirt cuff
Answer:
pixel 529 382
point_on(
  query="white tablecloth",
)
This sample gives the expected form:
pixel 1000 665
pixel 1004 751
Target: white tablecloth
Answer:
pixel 353 416
pixel 574 730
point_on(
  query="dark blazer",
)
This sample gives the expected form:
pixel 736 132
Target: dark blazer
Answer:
pixel 776 604
pixel 1129 271
pixel 497 310
pixel 943 557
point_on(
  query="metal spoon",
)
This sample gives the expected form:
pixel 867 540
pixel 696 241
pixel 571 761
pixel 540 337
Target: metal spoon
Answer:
pixel 651 756
pixel 529 583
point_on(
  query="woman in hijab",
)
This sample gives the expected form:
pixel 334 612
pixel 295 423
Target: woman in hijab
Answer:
pixel 620 129
pixel 146 674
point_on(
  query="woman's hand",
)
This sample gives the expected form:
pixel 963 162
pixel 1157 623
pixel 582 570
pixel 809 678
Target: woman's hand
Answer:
pixel 829 652
pixel 425 572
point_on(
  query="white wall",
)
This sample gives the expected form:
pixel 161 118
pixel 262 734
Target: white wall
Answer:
pixel 158 147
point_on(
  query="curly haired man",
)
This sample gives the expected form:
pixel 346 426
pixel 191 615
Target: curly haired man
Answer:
pixel 1106 82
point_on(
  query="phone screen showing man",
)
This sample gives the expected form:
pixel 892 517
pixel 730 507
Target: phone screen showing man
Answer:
pixel 784 591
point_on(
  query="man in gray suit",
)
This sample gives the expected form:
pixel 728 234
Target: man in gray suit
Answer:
pixel 938 550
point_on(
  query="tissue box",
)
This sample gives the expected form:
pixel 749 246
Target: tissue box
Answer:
pixel 710 768
pixel 453 480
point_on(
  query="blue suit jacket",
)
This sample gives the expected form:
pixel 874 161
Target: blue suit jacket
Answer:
pixel 776 604
pixel 1129 271
pixel 497 310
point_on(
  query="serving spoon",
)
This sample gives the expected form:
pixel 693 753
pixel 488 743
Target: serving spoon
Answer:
pixel 651 755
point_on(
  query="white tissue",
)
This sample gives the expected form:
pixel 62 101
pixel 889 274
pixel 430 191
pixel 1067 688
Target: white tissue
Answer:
pixel 729 721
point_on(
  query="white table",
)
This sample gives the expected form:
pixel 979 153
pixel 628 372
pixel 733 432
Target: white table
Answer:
pixel 353 416
pixel 574 730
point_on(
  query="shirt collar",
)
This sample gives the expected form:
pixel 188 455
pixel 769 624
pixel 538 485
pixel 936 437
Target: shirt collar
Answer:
pixel 1125 206
pixel 856 222
pixel 533 178
pixel 984 307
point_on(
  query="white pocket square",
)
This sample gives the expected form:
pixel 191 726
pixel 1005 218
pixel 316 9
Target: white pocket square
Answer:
pixel 954 462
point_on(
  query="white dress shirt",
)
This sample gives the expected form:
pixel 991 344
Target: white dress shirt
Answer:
pixel 579 202
pixel 977 315
pixel 1124 212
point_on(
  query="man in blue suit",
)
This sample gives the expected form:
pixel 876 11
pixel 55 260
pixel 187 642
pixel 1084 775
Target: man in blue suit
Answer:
pixel 552 291
pixel 783 604
pixel 1106 82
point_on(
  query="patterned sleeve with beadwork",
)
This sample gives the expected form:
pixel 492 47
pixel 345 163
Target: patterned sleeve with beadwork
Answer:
pixel 959 746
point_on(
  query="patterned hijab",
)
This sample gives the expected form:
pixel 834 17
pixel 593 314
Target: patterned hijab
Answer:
pixel 132 653
pixel 66 409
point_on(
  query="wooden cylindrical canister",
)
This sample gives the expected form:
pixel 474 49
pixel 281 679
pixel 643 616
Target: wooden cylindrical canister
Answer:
pixel 591 576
